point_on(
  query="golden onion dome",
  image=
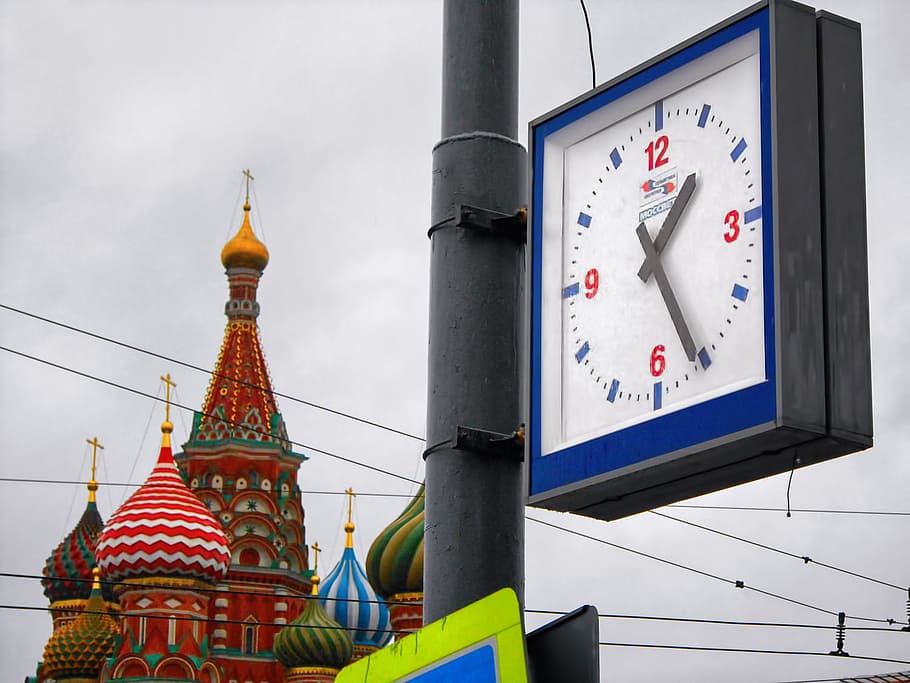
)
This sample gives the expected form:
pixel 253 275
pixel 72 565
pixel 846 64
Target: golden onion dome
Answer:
pixel 244 250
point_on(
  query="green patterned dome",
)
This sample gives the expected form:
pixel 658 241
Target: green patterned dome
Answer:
pixel 80 648
pixel 314 639
pixel 68 571
pixel 395 561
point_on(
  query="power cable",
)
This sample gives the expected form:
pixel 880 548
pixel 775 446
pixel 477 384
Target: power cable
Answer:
pixel 740 508
pixel 198 620
pixel 308 492
pixel 216 417
pixel 32 480
pixel 640 617
pixel 701 648
pixel 737 583
pixel 804 558
pixel 722 622
pixel 209 620
pixel 584 10
pixel 211 373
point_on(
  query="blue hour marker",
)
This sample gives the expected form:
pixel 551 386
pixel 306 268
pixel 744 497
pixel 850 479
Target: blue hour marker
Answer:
pixel 659 115
pixel 739 149
pixel 705 113
pixel 752 214
pixel 582 352
pixel 704 358
pixel 570 291
pixel 740 292
pixel 584 220
pixel 615 158
pixel 614 387
pixel 658 395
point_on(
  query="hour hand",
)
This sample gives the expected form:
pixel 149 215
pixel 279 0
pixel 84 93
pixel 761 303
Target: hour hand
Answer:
pixel 654 265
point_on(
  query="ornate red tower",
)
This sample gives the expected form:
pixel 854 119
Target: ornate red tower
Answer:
pixel 239 462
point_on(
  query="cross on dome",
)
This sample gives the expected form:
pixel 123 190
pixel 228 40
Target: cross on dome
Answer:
pixel 93 483
pixel 349 527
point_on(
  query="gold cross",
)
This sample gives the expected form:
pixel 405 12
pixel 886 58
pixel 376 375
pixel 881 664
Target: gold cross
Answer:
pixel 168 382
pixel 317 550
pixel 249 177
pixel 92 483
pixel 351 494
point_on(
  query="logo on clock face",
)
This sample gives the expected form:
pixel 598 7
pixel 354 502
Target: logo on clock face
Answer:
pixel 656 194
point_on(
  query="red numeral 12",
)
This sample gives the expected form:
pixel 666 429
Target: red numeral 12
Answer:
pixel 657 152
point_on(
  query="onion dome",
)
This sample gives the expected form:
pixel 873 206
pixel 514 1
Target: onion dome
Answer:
pixel 163 529
pixel 68 570
pixel 350 600
pixel 244 250
pixel 313 639
pixel 80 648
pixel 395 560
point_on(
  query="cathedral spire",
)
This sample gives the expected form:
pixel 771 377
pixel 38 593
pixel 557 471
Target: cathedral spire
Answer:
pixel 240 403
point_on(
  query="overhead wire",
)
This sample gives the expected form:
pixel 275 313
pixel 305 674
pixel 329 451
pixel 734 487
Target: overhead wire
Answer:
pixel 36 480
pixel 745 508
pixel 355 462
pixel 734 582
pixel 701 648
pixel 190 366
pixel 600 615
pixel 803 558
pixel 584 11
pixel 308 492
pixel 251 428
pixel 282 625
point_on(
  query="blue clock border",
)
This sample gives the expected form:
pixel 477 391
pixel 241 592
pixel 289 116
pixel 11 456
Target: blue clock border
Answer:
pixel 708 421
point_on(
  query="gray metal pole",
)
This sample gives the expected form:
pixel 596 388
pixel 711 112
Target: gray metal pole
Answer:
pixel 474 540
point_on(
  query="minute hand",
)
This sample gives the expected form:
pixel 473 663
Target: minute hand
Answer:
pixel 652 260
pixel 666 230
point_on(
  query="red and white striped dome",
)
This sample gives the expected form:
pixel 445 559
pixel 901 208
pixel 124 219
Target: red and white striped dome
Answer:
pixel 163 529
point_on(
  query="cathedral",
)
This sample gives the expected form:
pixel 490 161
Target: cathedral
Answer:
pixel 204 573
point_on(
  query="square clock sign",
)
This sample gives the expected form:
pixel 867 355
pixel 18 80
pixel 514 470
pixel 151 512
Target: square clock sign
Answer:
pixel 684 335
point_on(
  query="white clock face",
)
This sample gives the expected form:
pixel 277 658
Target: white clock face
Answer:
pixel 655 259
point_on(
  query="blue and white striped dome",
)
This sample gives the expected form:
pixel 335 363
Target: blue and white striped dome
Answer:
pixel 351 601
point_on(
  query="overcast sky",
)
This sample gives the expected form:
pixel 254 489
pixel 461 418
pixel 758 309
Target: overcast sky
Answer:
pixel 123 131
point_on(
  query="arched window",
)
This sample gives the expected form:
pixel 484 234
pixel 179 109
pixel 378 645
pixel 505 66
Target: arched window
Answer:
pixel 249 640
pixel 254 479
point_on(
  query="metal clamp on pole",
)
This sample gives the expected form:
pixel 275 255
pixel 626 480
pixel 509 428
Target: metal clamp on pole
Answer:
pixel 483 442
pixel 513 226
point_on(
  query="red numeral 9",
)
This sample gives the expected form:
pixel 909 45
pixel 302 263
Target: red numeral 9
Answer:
pixel 592 282
pixel 657 152
pixel 732 222
pixel 658 361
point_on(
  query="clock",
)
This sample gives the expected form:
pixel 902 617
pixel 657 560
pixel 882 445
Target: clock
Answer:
pixel 661 290
pixel 698 315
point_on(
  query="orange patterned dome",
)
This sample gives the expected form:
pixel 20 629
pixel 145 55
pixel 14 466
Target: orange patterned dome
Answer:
pixel 80 648
pixel 244 250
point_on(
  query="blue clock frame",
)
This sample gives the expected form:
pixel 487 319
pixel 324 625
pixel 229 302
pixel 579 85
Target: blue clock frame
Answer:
pixel 793 418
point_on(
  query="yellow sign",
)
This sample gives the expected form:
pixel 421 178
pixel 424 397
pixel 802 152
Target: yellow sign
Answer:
pixel 481 643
